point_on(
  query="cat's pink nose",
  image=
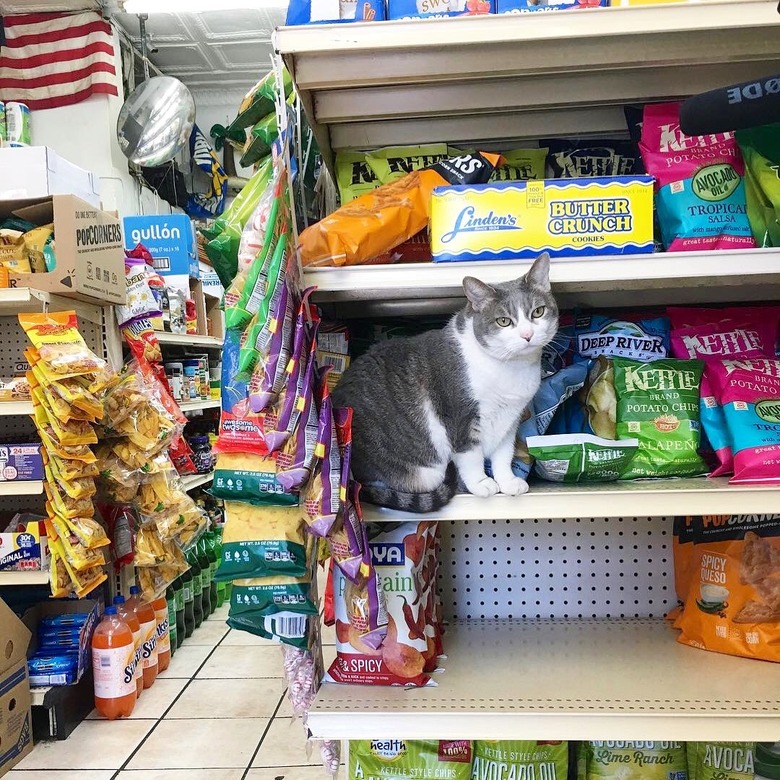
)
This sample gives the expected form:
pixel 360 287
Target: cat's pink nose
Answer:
pixel 527 336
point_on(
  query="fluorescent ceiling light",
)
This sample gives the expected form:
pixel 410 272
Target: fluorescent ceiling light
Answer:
pixel 198 6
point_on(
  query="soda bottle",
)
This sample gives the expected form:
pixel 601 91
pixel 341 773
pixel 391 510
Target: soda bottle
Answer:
pixel 128 615
pixel 205 578
pixel 173 631
pixel 213 563
pixel 148 621
pixel 197 587
pixel 178 603
pixel 113 654
pixel 160 607
pixel 221 586
pixel 189 603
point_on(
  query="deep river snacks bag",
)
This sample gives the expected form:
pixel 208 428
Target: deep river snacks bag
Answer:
pixel 733 601
pixel 748 390
pixel 658 403
pixel 519 760
pixel 404 758
pixel 380 220
pixel 639 339
pixel 700 191
pixel 641 760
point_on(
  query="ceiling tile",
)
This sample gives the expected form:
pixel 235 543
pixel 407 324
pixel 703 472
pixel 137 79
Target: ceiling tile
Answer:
pixel 188 57
pixel 243 54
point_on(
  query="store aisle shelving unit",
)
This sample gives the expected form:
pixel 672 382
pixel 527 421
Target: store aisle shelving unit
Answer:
pixel 495 82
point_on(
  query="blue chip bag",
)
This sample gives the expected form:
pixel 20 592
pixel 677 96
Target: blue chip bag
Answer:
pixel 430 9
pixel 334 11
pixel 640 339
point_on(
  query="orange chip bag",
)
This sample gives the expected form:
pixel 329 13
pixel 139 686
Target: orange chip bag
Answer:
pixel 733 599
pixel 380 220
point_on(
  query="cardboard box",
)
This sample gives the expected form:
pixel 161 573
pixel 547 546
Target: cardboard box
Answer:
pixel 90 257
pixel 93 608
pixel 37 171
pixel 212 287
pixel 611 215
pixel 21 462
pixel 15 717
pixel 170 239
pixel 26 550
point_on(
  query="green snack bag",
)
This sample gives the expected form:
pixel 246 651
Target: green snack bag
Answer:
pixel 520 760
pixel 394 162
pixel 287 628
pixel 721 760
pixel 354 176
pixel 386 759
pixel 521 165
pixel 632 761
pixel 244 476
pixel 658 403
pixel 258 598
pixel 580 457
pixel 261 138
pixel 260 101
pixel 760 147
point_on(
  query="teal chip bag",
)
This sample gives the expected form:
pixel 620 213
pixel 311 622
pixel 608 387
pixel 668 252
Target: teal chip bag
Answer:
pixel 580 457
pixel 658 404
pixel 388 759
pixel 520 760
pixel 640 760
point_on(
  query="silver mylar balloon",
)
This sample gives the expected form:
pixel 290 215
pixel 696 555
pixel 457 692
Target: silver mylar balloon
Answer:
pixel 156 121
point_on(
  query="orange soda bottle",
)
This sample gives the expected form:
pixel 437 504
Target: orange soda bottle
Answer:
pixel 160 607
pixel 113 654
pixel 148 623
pixel 128 615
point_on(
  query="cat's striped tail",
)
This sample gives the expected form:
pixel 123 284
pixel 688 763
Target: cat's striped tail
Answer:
pixel 419 503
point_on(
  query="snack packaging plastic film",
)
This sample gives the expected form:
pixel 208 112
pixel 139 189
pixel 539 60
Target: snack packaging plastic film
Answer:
pixel 140 301
pixel 700 188
pixel 641 760
pixel 378 221
pixel 592 158
pixel 394 162
pixel 520 759
pixel 733 600
pixel 260 100
pixel 682 547
pixel 658 403
pixel 354 176
pixel 520 165
pixel 641 339
pixel 78 556
pixel 140 336
pixel 261 542
pixel 252 478
pixel 761 151
pixel 580 457
pixel 404 758
pixel 721 760
pixel 748 390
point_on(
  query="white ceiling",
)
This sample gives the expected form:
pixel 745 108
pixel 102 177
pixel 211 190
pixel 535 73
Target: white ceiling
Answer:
pixel 217 50
pixel 39 6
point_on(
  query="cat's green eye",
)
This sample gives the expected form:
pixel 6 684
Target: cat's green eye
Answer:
pixel 538 312
pixel 503 322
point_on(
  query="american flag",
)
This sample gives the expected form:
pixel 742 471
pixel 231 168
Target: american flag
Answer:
pixel 50 60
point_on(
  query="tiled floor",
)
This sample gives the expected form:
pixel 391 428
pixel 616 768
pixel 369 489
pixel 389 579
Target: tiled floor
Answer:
pixel 219 712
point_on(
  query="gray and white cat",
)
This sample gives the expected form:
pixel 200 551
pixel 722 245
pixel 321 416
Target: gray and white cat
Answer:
pixel 433 407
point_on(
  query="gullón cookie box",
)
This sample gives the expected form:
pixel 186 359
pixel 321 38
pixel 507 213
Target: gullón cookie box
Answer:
pixel 565 217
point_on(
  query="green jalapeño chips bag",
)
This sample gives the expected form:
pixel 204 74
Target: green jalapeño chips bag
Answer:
pixel 658 403
pixel 632 761
pixel 519 760
pixel 387 759
pixel 580 457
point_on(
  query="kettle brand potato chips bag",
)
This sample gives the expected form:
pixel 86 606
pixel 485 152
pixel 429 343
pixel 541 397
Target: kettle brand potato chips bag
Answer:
pixel 658 403
pixel 632 761
pixel 378 759
pixel 520 760
pixel 733 600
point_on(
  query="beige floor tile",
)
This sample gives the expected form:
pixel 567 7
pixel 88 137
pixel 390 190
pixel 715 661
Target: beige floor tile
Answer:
pixel 62 774
pixel 186 661
pixel 289 773
pixel 154 701
pixel 238 664
pixel 178 774
pixel 200 744
pixel 255 698
pixel 285 709
pixel 284 746
pixel 328 635
pixel 210 632
pixel 245 639
pixel 95 744
pixel 220 613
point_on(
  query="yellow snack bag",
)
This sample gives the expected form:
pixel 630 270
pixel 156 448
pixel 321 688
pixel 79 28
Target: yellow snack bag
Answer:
pixel 160 493
pixel 86 529
pixel 78 556
pixel 61 348
pixel 61 408
pixel 66 506
pixel 79 488
pixel 71 469
pixel 69 434
pixel 184 524
pixel 59 579
pixel 33 246
pixel 12 254
pixel 149 548
pixel 50 442
pixel 84 582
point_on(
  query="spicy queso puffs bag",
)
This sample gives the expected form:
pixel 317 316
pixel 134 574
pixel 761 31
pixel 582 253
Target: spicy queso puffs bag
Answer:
pixel 733 603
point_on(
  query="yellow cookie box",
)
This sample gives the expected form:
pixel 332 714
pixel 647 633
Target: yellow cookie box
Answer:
pixel 565 217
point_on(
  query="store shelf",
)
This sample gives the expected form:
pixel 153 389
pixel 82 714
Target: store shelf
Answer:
pixel 185 340
pixel 23 488
pixel 23 578
pixel 196 480
pixel 194 406
pixel 572 679
pixel 17 300
pixel 657 279
pixel 695 496
pixel 417 81
pixel 15 408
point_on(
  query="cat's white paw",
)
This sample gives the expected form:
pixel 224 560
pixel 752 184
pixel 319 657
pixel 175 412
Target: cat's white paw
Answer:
pixel 484 487
pixel 514 486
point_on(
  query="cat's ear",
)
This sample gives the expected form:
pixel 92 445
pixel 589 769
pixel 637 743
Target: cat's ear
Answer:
pixel 538 275
pixel 478 293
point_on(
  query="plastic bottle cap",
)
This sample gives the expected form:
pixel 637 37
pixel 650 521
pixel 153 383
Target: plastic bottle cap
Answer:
pixel 110 611
pixel 119 599
pixel 134 590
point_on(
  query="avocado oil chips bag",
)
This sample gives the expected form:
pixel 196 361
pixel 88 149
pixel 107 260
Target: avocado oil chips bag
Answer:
pixel 721 760
pixel 520 760
pixel 405 758
pixel 639 760
pixel 733 600
pixel 700 195
pixel 658 403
